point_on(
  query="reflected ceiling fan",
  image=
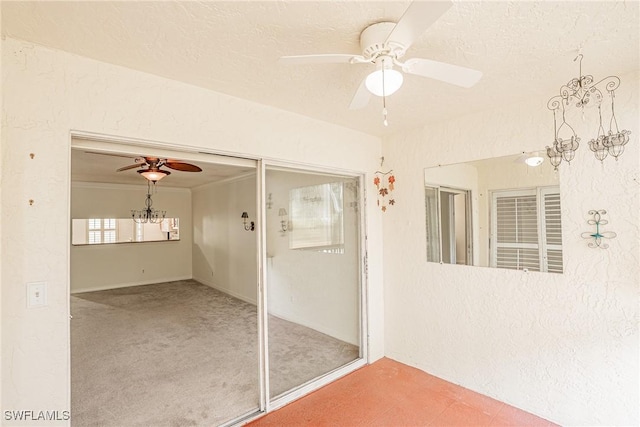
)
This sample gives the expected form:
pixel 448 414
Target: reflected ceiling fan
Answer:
pixel 152 171
pixel 384 43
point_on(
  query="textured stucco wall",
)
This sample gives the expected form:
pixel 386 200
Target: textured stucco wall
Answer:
pixel 565 346
pixel 46 94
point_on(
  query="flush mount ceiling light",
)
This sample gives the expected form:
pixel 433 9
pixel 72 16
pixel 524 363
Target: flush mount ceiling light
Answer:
pixel 534 160
pixel 582 92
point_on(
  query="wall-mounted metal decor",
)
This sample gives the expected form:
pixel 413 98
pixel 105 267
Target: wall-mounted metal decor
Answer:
pixel 582 92
pixel 597 237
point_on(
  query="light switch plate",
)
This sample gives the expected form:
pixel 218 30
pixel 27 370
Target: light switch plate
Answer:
pixel 36 294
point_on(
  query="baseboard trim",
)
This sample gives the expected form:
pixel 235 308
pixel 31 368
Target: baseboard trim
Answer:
pixel 315 327
pixel 226 291
pixel 130 284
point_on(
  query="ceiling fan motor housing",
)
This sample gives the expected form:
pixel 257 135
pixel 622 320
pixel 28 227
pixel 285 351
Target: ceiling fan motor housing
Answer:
pixel 372 41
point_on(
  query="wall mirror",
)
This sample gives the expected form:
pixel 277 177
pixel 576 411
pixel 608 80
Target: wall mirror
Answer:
pixel 100 231
pixel 501 212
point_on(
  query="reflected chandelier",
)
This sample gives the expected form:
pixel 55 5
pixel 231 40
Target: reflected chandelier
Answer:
pixel 581 92
pixel 148 214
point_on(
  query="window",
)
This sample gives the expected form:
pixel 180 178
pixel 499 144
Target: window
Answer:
pixel 316 215
pixel 526 229
pixel 448 220
pixel 101 230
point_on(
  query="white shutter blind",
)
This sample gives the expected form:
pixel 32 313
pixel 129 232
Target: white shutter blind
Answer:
pixel 552 227
pixel 95 230
pixel 109 226
pixel 101 230
pixel 516 230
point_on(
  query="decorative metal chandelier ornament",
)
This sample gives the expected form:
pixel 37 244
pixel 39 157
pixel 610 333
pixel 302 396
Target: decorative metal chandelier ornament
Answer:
pixel 581 92
pixel 148 214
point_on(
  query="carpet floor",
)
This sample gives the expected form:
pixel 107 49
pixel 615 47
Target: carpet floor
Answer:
pixel 182 354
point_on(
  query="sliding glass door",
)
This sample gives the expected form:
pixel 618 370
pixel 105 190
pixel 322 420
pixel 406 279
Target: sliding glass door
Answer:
pixel 248 295
pixel 313 275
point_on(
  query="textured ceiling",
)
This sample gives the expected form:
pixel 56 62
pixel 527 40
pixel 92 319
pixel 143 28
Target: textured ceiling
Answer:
pixel 524 49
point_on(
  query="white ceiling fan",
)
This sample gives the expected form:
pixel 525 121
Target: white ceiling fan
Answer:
pixel 384 43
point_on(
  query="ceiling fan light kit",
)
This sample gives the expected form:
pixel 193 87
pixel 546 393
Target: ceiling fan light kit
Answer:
pixel 383 44
pixel 153 175
pixel 385 80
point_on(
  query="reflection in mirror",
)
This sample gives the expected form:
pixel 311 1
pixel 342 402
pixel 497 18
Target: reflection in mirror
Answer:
pixel 100 231
pixel 497 212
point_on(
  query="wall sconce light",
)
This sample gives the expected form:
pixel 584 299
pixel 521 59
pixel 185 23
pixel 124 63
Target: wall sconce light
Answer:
pixel 284 223
pixel 248 226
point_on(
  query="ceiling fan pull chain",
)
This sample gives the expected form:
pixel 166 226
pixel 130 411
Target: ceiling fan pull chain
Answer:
pixel 384 100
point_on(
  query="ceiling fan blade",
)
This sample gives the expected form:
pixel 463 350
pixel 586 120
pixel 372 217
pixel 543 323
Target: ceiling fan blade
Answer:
pixel 419 16
pixel 181 166
pixel 449 73
pixel 361 97
pixel 137 165
pixel 329 58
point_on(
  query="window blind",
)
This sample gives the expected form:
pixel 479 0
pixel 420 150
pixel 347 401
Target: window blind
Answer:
pixel 101 230
pixel 552 227
pixel 527 230
pixel 516 231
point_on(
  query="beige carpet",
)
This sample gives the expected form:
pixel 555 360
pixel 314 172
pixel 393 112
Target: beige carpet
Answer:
pixel 182 354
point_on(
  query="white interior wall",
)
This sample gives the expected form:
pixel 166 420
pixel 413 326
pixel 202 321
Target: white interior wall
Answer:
pixel 95 267
pixel 47 93
pixel 311 288
pixel 563 346
pixel 224 253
